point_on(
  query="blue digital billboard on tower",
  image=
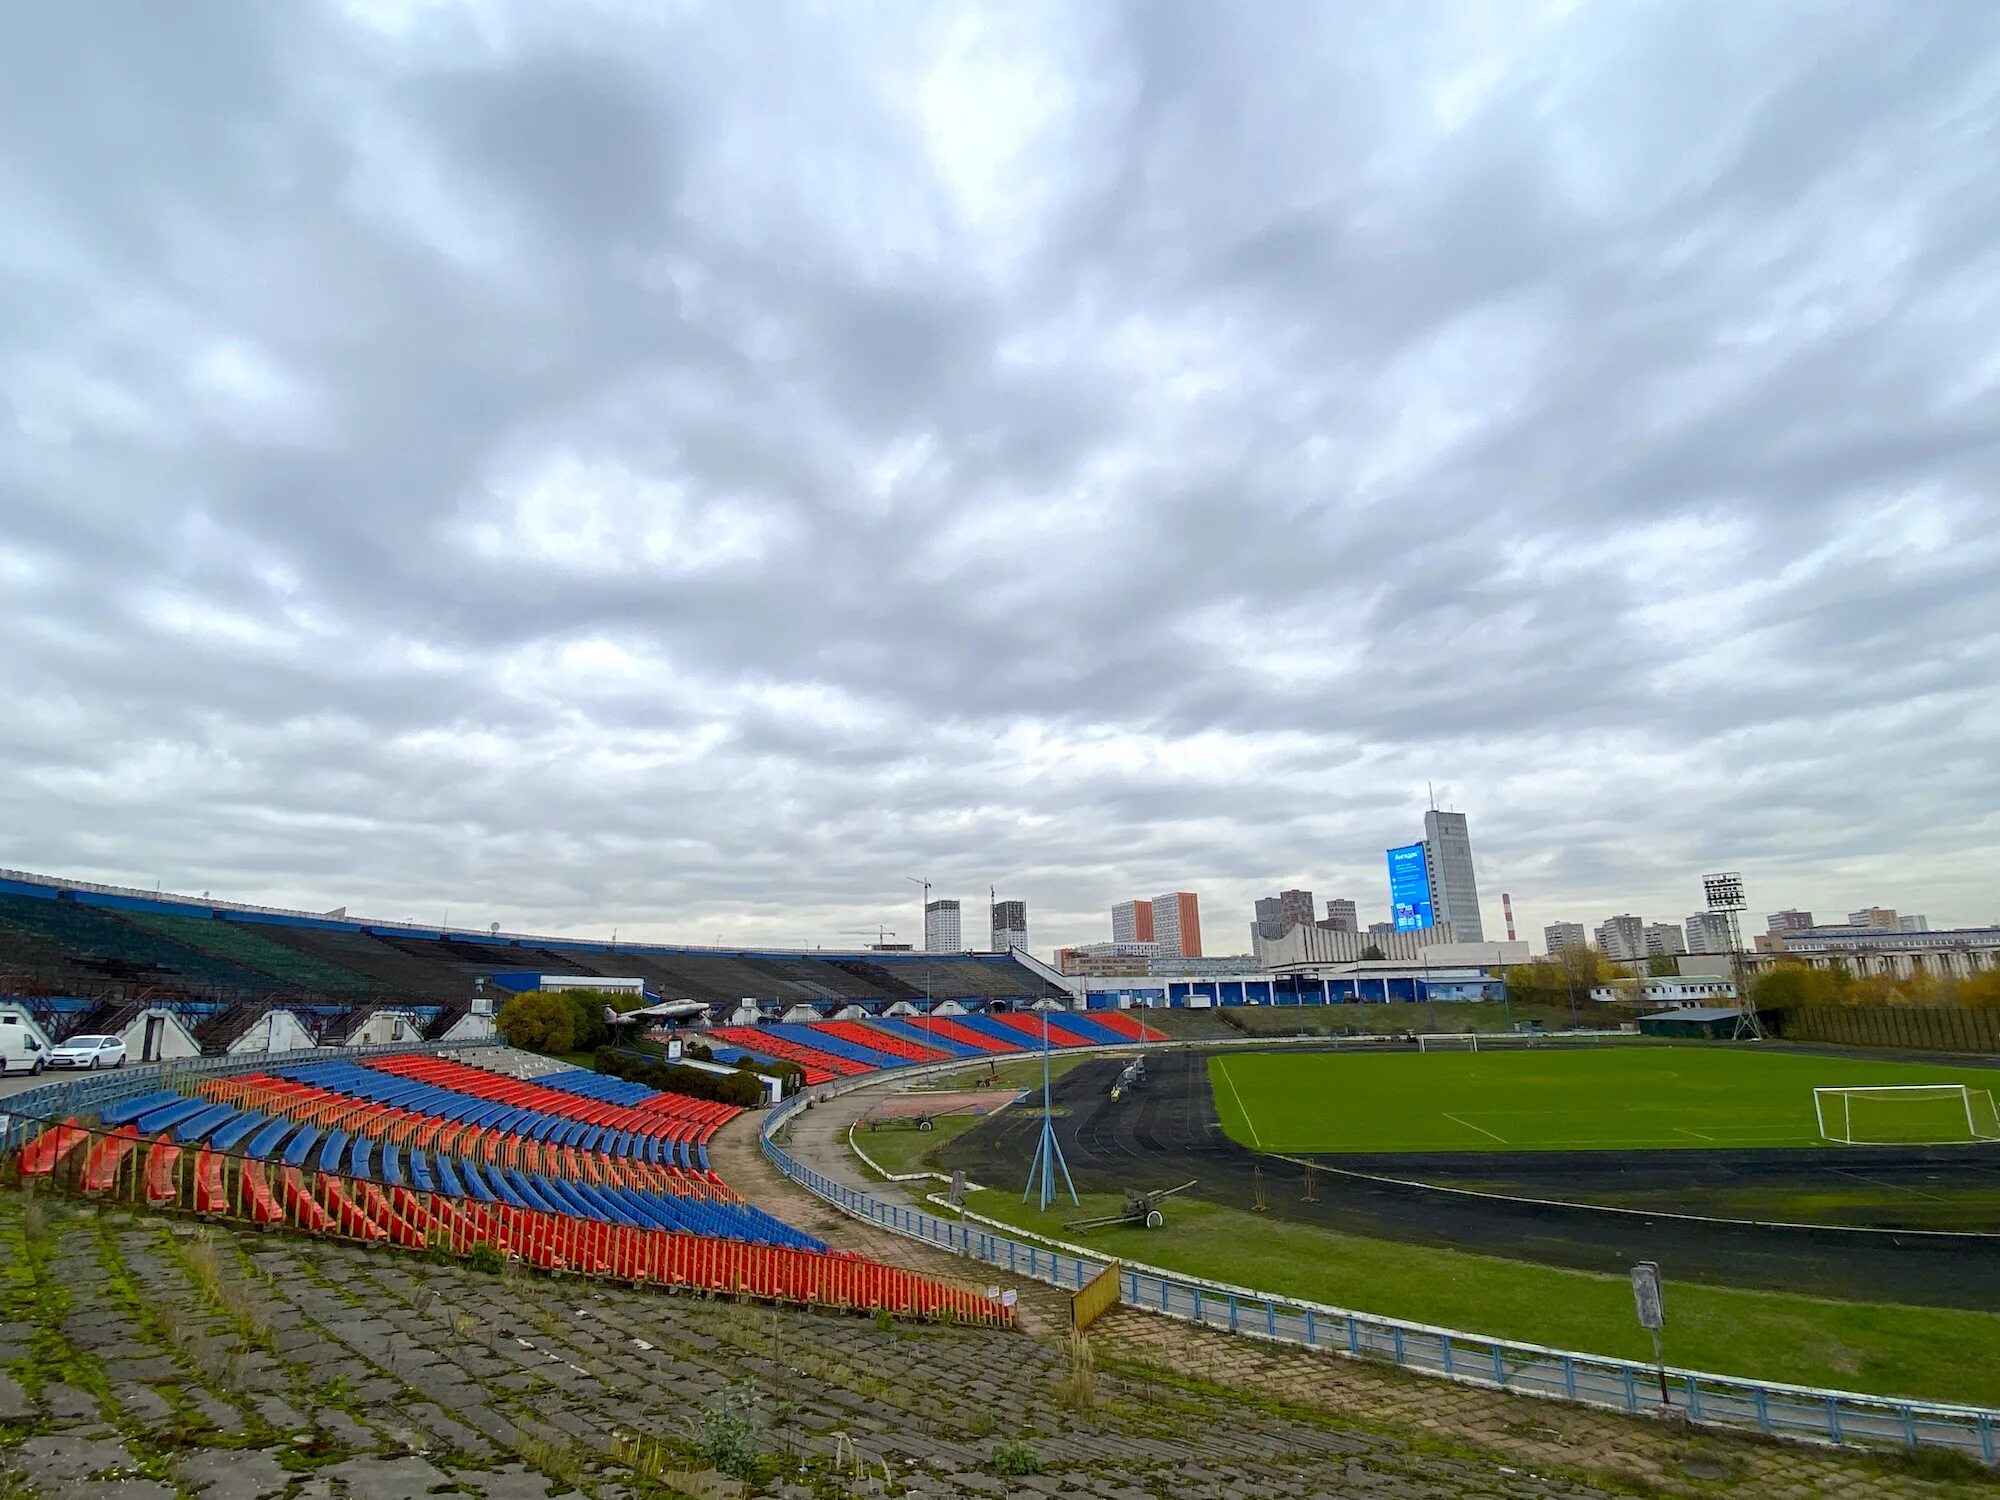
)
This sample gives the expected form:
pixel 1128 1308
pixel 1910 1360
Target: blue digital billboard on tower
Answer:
pixel 1409 889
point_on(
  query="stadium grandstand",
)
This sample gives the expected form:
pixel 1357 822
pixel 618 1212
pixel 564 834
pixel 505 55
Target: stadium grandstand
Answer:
pixel 567 1170
pixel 85 959
pixel 345 1093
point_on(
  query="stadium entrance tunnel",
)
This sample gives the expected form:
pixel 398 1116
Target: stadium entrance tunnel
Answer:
pixel 1169 1131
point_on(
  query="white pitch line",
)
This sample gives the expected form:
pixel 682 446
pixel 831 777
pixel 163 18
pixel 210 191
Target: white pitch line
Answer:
pixel 1470 1126
pixel 1239 1104
pixel 1695 1133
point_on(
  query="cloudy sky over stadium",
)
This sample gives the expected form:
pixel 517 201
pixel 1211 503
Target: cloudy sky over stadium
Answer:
pixel 686 469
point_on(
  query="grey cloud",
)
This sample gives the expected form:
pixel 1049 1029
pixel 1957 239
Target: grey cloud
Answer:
pixel 1163 526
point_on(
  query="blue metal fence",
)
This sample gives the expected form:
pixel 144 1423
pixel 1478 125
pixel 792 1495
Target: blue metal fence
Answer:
pixel 1809 1413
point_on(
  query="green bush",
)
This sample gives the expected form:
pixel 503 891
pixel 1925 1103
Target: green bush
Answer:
pixel 742 1090
pixel 537 1023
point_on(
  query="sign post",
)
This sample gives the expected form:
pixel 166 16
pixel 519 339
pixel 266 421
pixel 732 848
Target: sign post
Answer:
pixel 1652 1308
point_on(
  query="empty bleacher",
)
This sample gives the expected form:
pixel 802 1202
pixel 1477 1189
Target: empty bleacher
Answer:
pixel 955 1029
pixel 925 1033
pixel 241 944
pixel 1079 1023
pixel 394 971
pixel 1012 1038
pixel 879 1037
pixel 68 939
pixel 817 1065
pixel 1127 1025
pixel 65 939
pixel 434 1154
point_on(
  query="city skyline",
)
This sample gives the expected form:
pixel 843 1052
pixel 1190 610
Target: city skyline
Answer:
pixel 687 469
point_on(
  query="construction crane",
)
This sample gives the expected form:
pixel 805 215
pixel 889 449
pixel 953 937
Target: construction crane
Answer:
pixel 878 932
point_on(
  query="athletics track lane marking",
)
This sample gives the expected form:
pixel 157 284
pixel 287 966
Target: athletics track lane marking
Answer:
pixel 1252 1124
pixel 1470 1126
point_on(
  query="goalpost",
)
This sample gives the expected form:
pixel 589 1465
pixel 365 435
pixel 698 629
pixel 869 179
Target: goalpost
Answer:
pixel 1476 1041
pixel 1448 1041
pixel 1906 1114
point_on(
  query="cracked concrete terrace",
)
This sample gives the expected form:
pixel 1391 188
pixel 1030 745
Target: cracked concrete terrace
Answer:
pixel 145 1356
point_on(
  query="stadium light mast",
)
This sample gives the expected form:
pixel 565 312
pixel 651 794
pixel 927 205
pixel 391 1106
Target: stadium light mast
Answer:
pixel 1048 1151
pixel 1724 894
pixel 924 927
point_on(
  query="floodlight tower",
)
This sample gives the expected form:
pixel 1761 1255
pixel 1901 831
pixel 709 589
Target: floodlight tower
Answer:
pixel 1724 894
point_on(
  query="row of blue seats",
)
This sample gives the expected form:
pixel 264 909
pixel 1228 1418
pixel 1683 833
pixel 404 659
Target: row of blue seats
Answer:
pixel 355 1155
pixel 599 1086
pixel 190 1121
pixel 395 1092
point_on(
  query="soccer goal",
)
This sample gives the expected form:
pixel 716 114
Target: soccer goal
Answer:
pixel 1448 1041
pixel 1906 1114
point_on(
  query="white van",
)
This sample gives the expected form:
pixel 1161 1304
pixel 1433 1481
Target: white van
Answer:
pixel 21 1049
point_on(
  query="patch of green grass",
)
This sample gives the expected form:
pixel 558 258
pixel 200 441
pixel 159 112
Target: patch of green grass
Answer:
pixel 900 1147
pixel 1701 1097
pixel 1940 1354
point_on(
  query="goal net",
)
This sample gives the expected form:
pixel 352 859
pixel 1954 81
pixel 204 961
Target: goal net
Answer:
pixel 1451 1041
pixel 1907 1114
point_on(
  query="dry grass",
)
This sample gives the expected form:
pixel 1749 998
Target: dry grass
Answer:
pixel 1078 1390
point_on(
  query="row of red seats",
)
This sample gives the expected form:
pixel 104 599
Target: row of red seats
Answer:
pixel 946 1027
pixel 1130 1025
pixel 333 1204
pixel 705 1116
pixel 882 1041
pixel 820 1067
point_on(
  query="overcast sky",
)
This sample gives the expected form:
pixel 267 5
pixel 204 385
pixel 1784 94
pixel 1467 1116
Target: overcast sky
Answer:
pixel 586 465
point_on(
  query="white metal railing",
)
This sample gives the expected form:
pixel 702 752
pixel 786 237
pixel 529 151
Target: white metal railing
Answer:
pixel 1809 1413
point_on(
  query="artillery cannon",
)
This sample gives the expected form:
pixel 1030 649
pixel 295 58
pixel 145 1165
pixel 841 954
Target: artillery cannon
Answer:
pixel 1142 1210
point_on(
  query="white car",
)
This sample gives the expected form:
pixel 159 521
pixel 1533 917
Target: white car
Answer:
pixel 89 1052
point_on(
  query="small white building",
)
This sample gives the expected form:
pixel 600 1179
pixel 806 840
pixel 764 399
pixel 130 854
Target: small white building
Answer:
pixel 1668 990
pixel 373 1028
pixel 474 1026
pixel 276 1030
pixel 550 982
pixel 152 1033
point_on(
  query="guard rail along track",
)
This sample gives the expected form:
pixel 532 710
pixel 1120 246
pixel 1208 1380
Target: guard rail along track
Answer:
pixel 1800 1412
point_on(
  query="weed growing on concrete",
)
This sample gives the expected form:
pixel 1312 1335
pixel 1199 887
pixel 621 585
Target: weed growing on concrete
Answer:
pixel 726 1430
pixel 1016 1458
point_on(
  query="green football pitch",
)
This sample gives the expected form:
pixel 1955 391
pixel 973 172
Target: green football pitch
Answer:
pixel 1575 1099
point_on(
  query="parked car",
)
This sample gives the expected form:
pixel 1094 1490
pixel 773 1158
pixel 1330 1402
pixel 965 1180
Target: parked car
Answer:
pixel 88 1052
pixel 20 1051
